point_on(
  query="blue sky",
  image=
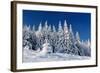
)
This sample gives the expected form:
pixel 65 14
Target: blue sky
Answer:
pixel 80 22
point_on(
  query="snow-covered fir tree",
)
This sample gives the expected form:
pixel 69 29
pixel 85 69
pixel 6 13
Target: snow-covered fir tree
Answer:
pixel 60 40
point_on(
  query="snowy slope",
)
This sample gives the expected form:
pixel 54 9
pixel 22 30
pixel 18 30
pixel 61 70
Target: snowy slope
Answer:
pixel 31 56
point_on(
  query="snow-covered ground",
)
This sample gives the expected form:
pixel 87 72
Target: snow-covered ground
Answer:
pixel 31 56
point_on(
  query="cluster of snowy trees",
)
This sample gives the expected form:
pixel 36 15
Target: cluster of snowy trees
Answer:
pixel 61 40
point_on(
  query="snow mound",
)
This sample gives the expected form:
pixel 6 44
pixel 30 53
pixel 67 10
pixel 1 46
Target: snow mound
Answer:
pixel 36 56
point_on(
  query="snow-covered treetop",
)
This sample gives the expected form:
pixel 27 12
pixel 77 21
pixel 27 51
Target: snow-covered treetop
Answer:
pixel 89 42
pixel 33 28
pixel 40 27
pixel 59 27
pixel 65 27
pixel 70 28
pixel 46 25
pixel 49 28
pixel 77 37
pixel 54 29
pixel 27 27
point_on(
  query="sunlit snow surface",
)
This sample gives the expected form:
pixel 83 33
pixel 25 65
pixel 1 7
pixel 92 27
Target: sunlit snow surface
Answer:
pixel 36 56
